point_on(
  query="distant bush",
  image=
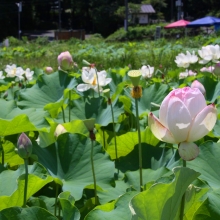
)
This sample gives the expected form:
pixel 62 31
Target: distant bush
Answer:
pixel 42 40
pixel 14 41
pixel 145 33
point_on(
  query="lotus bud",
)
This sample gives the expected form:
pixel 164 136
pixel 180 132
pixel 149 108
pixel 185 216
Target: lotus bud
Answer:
pixel 24 146
pixel 198 85
pixel 48 70
pixel 217 69
pixel 59 130
pixel 90 125
pixel 65 61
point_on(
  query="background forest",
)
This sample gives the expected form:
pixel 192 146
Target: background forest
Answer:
pixel 95 16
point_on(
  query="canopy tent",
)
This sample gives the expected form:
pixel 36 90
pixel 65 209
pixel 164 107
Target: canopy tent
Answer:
pixel 206 21
pixel 176 24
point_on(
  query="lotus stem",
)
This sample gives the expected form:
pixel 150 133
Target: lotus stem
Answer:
pixel 56 198
pixel 3 156
pixel 26 182
pixel 97 81
pixel 3 153
pixel 69 105
pixel 114 133
pixel 183 199
pixel 139 145
pixel 103 133
pixel 93 173
pixel 63 114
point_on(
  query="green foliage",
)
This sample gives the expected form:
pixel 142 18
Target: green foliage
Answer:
pixel 60 180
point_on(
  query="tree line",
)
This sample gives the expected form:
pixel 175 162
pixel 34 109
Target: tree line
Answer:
pixel 95 16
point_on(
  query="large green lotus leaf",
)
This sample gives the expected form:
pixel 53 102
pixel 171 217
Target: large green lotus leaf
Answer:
pixel 43 202
pixel 209 210
pixel 10 156
pixel 118 81
pixel 149 175
pixel 48 89
pixel 36 116
pixel 111 193
pixel 162 201
pixel 69 210
pixel 69 160
pixel 35 183
pixel 208 163
pixel 216 130
pixel 115 210
pixel 212 88
pixel 75 126
pixel 17 125
pixel 11 111
pixel 33 213
pixel 151 97
pixel 194 198
pixel 12 176
pixel 8 107
pixel 127 142
pixel 97 108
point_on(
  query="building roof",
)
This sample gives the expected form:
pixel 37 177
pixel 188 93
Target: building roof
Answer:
pixel 147 9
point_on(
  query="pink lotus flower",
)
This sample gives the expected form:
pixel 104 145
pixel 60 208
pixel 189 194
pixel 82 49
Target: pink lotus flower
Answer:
pixel 198 85
pixel 48 69
pixel 65 61
pixel 207 69
pixel 184 118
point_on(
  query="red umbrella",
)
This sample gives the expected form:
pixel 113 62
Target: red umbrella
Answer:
pixel 180 23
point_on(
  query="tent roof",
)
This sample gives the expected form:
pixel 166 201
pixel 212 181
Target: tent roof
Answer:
pixel 180 23
pixel 206 21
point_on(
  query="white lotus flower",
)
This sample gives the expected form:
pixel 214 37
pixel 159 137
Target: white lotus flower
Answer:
pixel 183 75
pixel 29 74
pixel 184 60
pixel 187 73
pixel 147 71
pixel 19 74
pixel 14 71
pixel 209 53
pixel 1 75
pixel 89 77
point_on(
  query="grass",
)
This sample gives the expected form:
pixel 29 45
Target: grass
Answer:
pixel 41 53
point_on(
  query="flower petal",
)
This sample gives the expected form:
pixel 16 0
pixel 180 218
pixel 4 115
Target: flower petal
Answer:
pixel 88 76
pixel 178 119
pixel 188 151
pixel 203 123
pixel 84 87
pixel 194 101
pixel 164 108
pixel 102 77
pixel 159 131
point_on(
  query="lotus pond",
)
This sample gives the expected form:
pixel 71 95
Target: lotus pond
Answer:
pixel 116 140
